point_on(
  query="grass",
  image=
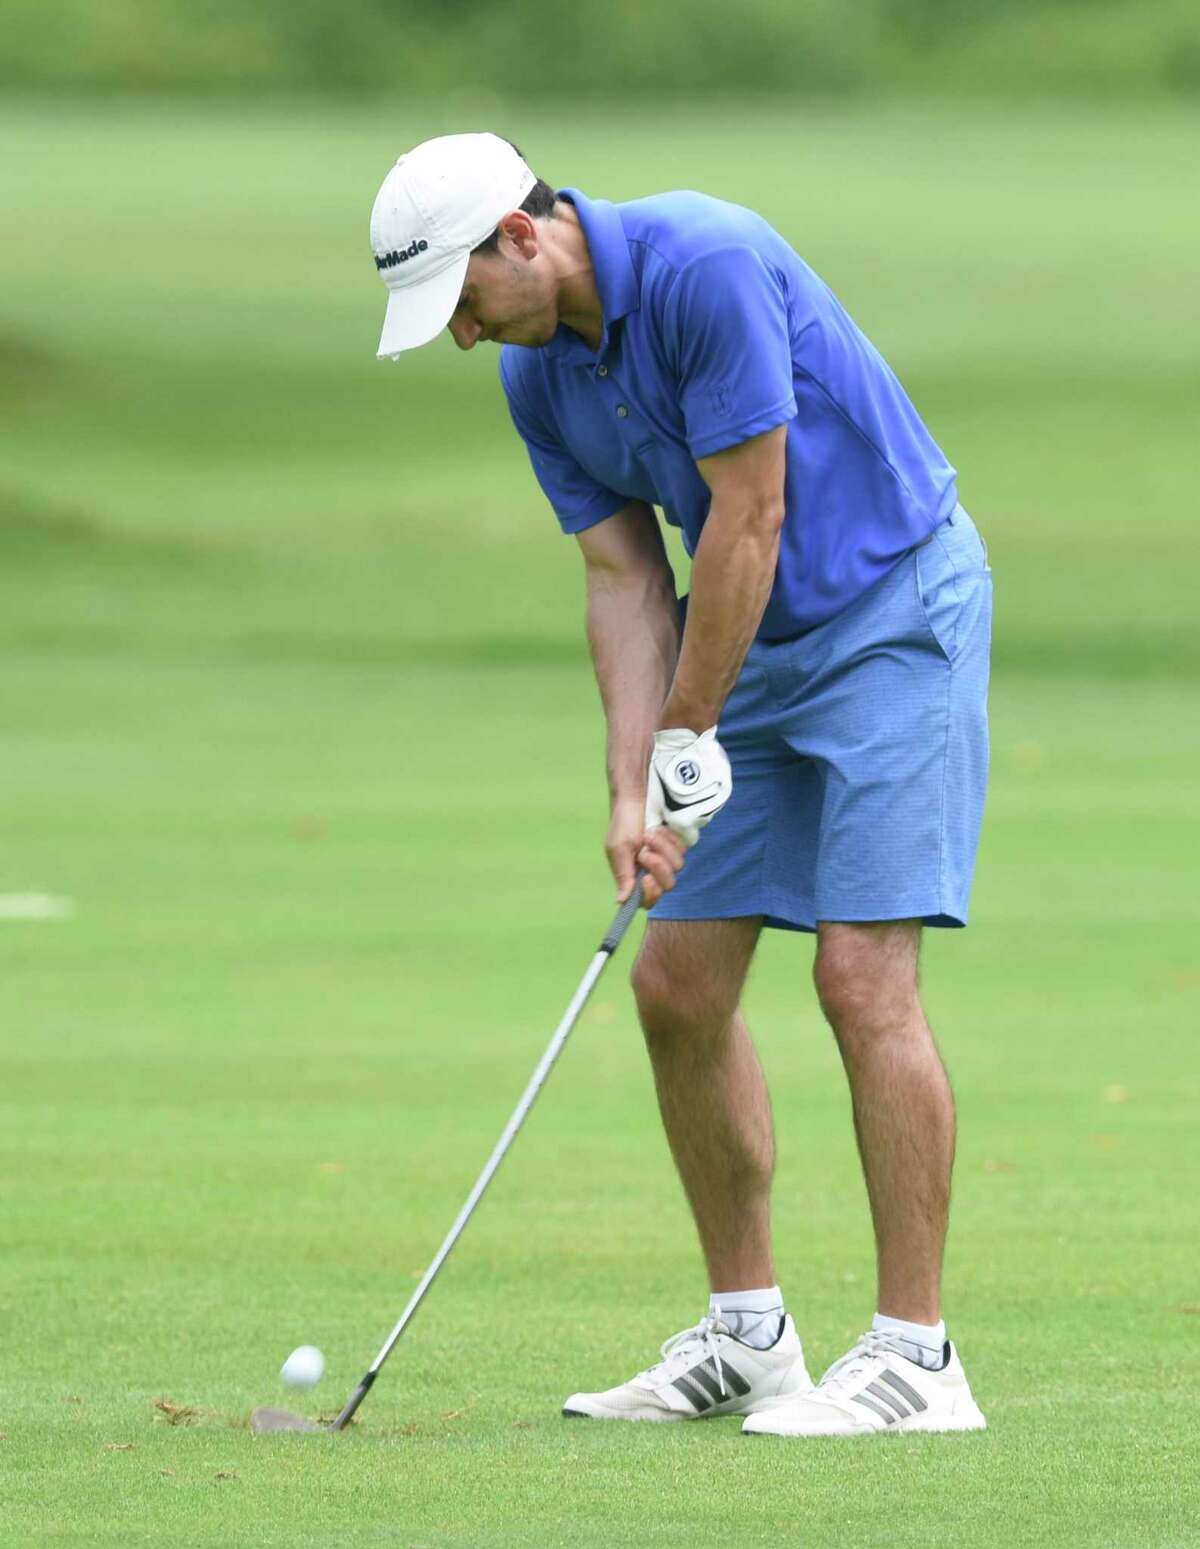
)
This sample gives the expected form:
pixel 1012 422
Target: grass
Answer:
pixel 267 608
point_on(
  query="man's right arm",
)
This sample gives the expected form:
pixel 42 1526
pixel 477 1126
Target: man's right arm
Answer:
pixel 634 633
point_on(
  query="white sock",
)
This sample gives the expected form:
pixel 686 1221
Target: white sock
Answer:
pixel 754 1317
pixel 923 1343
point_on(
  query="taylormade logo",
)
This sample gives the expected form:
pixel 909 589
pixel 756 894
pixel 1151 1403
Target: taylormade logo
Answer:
pixel 401 255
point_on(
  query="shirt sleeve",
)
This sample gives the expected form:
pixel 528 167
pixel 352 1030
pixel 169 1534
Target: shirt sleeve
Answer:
pixel 578 500
pixel 728 313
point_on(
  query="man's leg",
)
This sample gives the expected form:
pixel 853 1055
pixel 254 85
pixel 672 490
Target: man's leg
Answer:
pixel 746 1354
pixel 688 979
pixel 866 978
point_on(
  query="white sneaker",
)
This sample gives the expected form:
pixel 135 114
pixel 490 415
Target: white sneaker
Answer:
pixel 873 1388
pixel 704 1371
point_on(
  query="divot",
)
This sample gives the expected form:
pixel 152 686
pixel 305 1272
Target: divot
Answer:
pixel 175 1414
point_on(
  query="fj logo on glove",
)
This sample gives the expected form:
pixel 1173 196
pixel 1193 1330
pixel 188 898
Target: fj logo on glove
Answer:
pixel 689 781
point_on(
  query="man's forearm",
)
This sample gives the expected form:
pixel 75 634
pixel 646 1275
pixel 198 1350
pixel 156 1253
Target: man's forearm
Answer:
pixel 633 632
pixel 732 575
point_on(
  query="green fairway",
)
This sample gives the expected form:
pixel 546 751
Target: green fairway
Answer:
pixel 298 716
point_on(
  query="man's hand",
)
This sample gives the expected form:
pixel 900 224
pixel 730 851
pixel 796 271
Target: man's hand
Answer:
pixel 630 844
pixel 690 781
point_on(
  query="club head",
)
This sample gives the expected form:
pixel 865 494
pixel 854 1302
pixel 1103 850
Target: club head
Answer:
pixel 264 1420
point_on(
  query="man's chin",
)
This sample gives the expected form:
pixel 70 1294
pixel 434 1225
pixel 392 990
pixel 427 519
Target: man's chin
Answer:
pixel 529 338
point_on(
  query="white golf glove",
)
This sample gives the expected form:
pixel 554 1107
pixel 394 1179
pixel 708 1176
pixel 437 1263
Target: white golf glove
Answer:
pixel 690 781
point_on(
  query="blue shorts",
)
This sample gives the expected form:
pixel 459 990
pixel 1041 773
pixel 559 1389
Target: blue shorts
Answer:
pixel 859 754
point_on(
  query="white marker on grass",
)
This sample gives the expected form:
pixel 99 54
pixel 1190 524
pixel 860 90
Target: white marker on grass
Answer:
pixel 35 906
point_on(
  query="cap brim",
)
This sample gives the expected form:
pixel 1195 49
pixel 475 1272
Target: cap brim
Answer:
pixel 418 313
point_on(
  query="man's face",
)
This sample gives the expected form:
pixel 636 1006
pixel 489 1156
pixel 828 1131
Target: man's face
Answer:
pixel 507 298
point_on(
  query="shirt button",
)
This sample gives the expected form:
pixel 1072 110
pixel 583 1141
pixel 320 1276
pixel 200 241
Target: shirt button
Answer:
pixel 601 370
pixel 622 412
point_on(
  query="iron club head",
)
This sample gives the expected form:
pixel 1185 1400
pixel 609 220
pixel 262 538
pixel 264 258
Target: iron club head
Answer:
pixel 265 1420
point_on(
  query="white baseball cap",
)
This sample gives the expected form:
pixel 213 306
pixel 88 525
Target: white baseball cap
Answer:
pixel 436 205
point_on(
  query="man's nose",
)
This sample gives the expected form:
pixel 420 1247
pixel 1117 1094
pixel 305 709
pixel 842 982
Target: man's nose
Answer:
pixel 465 332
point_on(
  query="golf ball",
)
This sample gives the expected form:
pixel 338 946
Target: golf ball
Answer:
pixel 303 1368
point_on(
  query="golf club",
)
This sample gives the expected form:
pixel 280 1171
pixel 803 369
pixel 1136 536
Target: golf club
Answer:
pixel 263 1420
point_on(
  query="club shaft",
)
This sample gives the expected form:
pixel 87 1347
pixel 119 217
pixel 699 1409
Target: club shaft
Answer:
pixel 545 1065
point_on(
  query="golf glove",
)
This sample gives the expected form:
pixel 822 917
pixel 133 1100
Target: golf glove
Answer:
pixel 690 781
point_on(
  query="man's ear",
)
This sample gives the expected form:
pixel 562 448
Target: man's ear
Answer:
pixel 522 233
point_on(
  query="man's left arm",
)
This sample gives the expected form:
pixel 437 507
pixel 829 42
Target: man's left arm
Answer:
pixel 727 321
pixel 732 573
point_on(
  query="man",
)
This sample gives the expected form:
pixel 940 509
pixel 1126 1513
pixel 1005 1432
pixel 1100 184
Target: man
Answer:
pixel 821 707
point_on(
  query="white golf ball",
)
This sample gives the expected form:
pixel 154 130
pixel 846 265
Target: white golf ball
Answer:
pixel 303 1368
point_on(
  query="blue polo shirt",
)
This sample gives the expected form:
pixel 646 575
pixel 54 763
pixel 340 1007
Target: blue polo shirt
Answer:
pixel 716 331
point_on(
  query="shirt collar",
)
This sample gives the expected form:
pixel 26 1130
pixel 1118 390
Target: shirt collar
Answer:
pixel 612 266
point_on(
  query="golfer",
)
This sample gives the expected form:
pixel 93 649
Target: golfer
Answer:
pixel 801 745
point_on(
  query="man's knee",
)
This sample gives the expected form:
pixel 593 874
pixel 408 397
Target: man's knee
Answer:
pixel 866 977
pixel 669 1002
pixel 682 986
pixel 657 1006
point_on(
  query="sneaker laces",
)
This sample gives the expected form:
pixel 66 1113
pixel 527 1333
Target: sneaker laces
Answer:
pixel 679 1352
pixel 845 1373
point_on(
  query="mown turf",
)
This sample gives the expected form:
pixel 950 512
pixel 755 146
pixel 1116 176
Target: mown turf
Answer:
pixel 297 712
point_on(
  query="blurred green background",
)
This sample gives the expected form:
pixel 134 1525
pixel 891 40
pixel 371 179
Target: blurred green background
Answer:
pixel 267 609
pixel 605 48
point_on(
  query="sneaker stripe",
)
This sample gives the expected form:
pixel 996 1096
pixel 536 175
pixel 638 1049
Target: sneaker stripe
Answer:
pixel 699 1401
pixel 886 1397
pixel 909 1392
pixel 733 1378
pixel 885 1415
pixel 708 1379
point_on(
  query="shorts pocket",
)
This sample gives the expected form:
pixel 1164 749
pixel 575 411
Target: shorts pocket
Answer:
pixel 951 571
